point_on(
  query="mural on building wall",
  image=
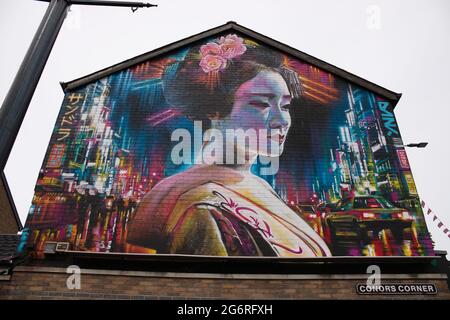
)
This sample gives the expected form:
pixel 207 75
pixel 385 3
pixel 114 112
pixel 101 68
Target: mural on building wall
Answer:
pixel 227 148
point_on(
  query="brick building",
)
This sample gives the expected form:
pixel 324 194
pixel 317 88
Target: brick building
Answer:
pixel 112 203
pixel 133 277
pixel 10 225
pixel 9 219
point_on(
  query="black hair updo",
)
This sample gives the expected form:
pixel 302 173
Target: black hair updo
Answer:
pixel 204 95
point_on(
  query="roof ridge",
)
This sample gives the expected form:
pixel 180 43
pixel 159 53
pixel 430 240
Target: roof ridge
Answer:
pixel 232 25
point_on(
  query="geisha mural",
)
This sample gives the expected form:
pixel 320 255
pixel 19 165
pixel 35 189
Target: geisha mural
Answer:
pixel 227 147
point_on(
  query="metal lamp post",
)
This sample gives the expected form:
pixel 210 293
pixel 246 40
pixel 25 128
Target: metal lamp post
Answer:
pixel 416 145
pixel 18 98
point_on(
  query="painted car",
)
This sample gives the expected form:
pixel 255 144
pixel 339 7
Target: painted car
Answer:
pixel 364 220
pixel 370 208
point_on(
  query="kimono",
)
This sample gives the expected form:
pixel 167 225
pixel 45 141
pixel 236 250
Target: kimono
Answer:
pixel 219 211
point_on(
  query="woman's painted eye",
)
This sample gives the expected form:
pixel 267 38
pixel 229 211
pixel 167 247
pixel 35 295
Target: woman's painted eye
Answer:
pixel 260 105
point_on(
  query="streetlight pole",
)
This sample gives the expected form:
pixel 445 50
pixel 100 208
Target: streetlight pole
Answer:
pixel 415 145
pixel 18 98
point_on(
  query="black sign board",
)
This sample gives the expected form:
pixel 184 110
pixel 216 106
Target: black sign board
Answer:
pixel 397 288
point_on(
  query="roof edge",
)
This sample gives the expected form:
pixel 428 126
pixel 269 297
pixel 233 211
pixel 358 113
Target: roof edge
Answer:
pixel 231 25
pixel 143 57
pixel 11 201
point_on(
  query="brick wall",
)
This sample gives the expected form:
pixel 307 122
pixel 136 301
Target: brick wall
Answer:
pixel 50 283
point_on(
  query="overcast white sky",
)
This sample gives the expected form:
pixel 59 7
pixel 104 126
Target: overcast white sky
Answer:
pixel 401 45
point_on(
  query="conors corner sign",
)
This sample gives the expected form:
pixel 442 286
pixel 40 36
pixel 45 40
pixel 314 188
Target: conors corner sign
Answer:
pixel 396 288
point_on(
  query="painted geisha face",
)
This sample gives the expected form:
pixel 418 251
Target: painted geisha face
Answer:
pixel 263 103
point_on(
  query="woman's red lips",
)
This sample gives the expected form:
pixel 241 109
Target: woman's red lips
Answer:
pixel 278 138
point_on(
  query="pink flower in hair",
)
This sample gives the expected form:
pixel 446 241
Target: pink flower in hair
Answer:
pixel 210 48
pixel 232 46
pixel 215 55
pixel 212 62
